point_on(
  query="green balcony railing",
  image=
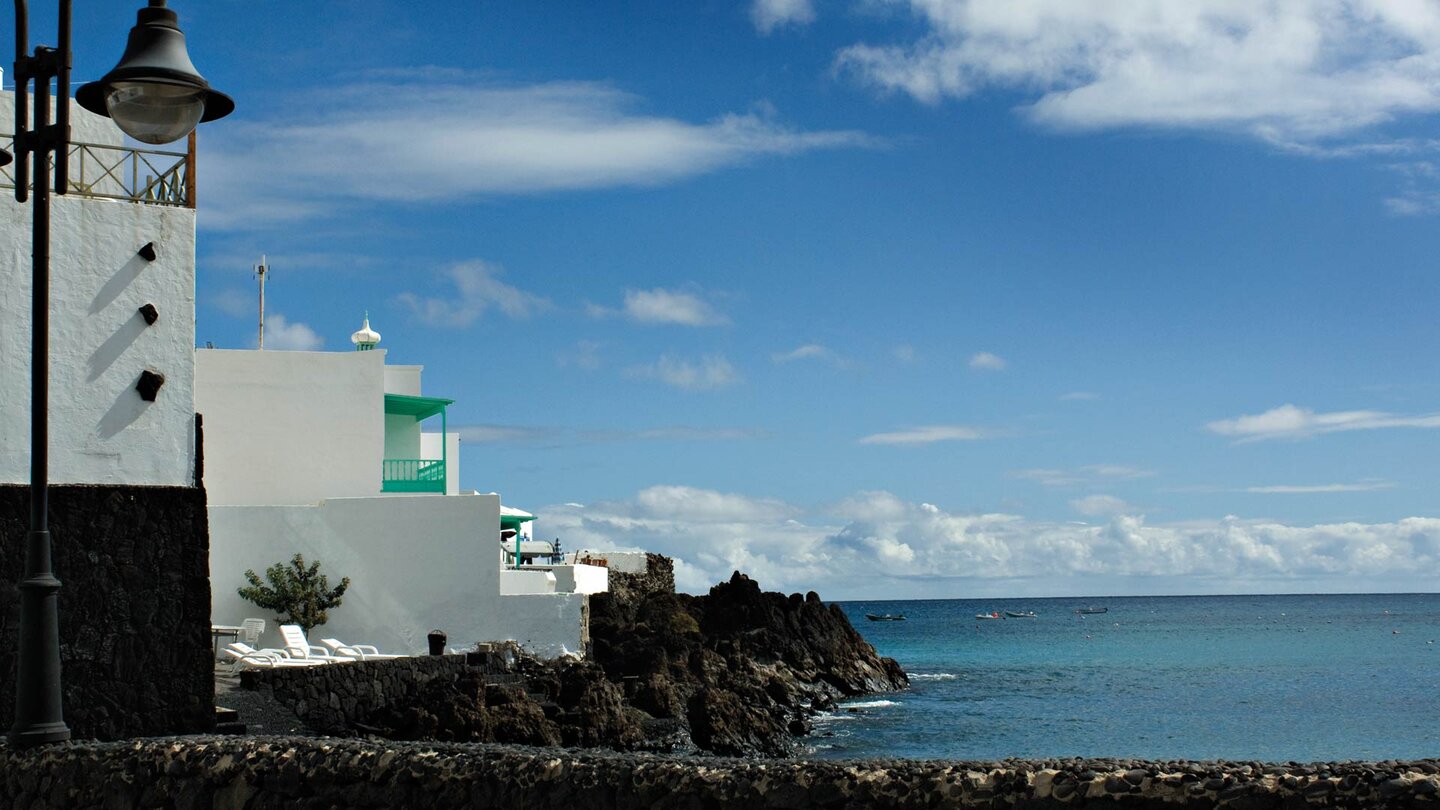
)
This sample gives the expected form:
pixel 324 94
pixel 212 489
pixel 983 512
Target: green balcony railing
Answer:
pixel 413 475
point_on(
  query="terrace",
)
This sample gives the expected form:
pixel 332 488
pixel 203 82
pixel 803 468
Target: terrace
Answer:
pixel 149 176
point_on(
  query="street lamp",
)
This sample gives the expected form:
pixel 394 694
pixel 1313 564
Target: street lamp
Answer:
pixel 155 95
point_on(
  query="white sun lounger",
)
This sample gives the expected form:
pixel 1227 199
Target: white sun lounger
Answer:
pixel 300 647
pixel 362 652
pixel 247 656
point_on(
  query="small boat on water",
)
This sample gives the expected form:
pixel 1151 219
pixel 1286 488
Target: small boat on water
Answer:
pixel 994 614
pixel 1086 610
pixel 885 617
pixel 1023 614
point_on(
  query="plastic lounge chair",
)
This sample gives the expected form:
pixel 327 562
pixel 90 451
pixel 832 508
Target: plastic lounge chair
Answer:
pixel 300 647
pixel 363 652
pixel 246 656
pixel 250 631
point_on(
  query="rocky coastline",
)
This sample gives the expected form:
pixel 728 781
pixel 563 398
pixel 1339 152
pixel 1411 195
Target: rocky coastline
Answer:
pixel 737 672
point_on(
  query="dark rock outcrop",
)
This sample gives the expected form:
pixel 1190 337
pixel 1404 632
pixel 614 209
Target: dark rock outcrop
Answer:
pixel 742 668
pixel 735 672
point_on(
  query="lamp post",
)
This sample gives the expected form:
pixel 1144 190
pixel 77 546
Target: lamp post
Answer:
pixel 154 95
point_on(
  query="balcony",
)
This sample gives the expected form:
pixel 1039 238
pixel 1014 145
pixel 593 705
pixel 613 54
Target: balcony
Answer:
pixel 121 173
pixel 413 475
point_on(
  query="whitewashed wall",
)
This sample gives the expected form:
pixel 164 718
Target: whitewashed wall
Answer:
pixel 430 448
pixel 290 427
pixel 101 431
pixel 547 625
pixel 403 380
pixel 402 436
pixel 415 564
pixel 581 578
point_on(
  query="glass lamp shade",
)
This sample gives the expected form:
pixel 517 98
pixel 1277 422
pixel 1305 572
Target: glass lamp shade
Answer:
pixel 155 94
pixel 152 112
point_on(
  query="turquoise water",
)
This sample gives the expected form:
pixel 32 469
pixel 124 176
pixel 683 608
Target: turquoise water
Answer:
pixel 1273 678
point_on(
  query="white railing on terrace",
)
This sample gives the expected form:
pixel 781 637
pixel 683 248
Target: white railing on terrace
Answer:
pixel 122 173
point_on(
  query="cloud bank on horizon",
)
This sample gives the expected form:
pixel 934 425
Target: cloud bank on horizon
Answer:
pixel 875 545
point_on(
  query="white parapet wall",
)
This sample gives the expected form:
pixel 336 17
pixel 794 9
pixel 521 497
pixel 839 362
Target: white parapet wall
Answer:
pixel 415 564
pixel 291 427
pixel 623 562
pixel 546 625
pixel 526 581
pixel 585 579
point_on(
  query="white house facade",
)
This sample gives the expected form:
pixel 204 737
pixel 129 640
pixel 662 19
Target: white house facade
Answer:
pixel 344 459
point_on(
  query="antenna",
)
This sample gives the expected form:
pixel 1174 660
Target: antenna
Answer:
pixel 260 271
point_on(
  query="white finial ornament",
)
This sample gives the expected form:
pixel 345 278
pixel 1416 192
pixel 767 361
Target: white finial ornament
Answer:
pixel 367 338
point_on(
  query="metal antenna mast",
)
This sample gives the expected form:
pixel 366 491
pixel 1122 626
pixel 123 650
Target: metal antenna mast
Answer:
pixel 260 271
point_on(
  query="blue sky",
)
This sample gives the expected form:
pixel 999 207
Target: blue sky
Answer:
pixel 875 297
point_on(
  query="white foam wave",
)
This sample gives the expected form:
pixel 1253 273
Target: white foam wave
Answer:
pixel 932 676
pixel 870 704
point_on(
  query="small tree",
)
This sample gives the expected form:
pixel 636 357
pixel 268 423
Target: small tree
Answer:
pixel 299 592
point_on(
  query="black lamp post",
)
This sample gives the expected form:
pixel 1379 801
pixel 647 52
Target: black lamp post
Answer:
pixel 154 95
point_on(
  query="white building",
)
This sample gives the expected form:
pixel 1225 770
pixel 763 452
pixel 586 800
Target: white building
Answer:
pixel 323 454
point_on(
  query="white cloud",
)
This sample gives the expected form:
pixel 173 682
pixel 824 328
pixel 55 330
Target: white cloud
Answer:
pixel 877 545
pixel 1309 489
pixel 360 142
pixel 282 335
pixel 709 373
pixel 585 355
pixel 929 435
pixel 1116 471
pixel 234 303
pixel 477 289
pixel 660 306
pixel 1097 505
pixel 1292 422
pixel 985 361
pixel 557 436
pixel 1079 396
pixel 767 15
pixel 1088 474
pixel 1302 69
pixel 809 351
pixel 905 353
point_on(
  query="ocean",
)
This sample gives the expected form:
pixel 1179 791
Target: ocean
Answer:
pixel 1274 678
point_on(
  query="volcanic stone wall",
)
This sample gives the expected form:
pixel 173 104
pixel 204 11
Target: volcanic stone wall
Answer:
pixel 135 647
pixel 334 698
pixel 658 577
pixel 274 772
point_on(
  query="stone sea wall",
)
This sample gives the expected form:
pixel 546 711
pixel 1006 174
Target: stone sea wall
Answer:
pixel 271 772
pixel 135 648
pixel 339 698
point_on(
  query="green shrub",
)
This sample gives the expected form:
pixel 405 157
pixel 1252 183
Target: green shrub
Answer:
pixel 298 592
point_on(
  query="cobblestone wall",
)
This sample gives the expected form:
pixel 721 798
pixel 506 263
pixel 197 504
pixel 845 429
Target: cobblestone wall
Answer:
pixel 135 645
pixel 260 772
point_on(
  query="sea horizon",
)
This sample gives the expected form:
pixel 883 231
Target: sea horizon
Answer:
pixel 1274 677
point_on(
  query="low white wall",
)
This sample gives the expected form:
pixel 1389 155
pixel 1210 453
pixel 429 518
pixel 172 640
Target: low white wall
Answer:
pixel 585 579
pixel 624 562
pixel 531 581
pixel 415 564
pixel 548 625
